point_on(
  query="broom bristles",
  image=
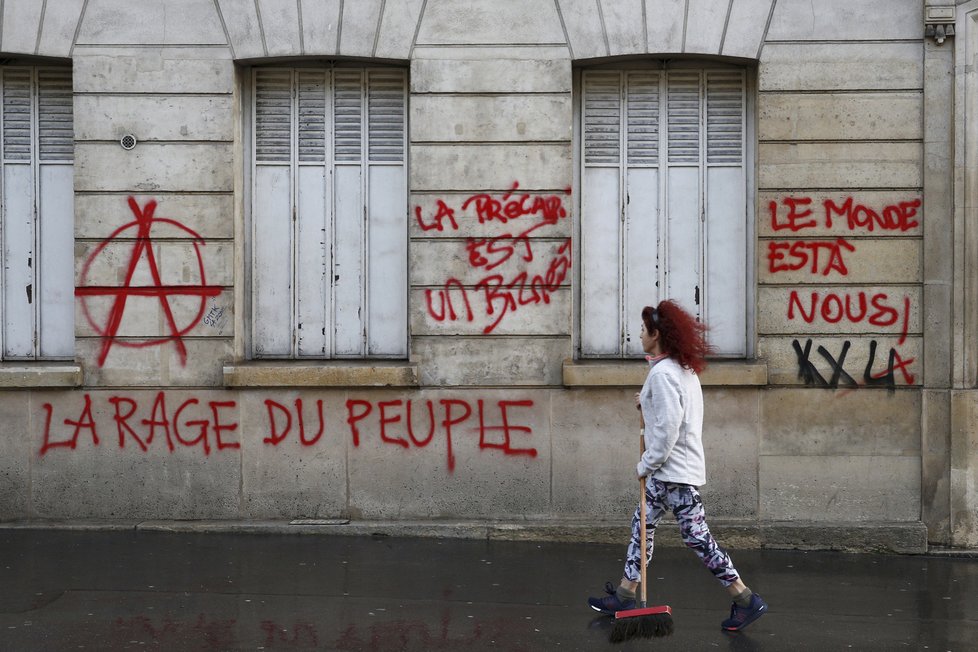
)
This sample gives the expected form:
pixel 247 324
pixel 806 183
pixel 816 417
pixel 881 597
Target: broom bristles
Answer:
pixel 642 623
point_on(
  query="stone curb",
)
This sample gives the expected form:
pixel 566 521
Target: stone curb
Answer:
pixel 900 538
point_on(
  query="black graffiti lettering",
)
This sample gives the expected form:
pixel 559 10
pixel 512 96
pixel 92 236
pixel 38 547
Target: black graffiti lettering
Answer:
pixel 886 379
pixel 806 369
pixel 838 371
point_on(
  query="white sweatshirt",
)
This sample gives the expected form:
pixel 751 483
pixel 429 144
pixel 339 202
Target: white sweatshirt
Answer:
pixel 672 405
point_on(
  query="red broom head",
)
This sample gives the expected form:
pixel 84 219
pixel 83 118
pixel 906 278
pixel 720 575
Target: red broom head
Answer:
pixel 650 622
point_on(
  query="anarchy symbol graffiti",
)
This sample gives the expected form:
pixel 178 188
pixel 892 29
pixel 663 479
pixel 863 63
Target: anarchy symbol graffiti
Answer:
pixel 143 248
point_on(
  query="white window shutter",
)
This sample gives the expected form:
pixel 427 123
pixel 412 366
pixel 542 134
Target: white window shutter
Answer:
pixel 601 201
pixel 271 215
pixel 37 308
pixel 386 211
pixel 55 210
pixel 725 279
pixel 56 139
pixel 641 236
pixel 663 203
pixel 329 213
pixel 683 254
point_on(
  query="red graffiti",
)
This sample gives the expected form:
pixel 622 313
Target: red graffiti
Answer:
pixel 877 309
pixel 403 423
pixel 443 420
pixel 500 294
pixel 207 429
pixel 894 217
pixel 143 224
pixel 805 254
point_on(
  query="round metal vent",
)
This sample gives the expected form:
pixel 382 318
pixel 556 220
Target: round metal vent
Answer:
pixel 128 141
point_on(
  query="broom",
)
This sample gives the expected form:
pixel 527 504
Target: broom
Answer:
pixel 644 622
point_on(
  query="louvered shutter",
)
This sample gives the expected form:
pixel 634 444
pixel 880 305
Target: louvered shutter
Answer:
pixel 683 256
pixel 55 210
pixel 640 262
pixel 38 209
pixel 601 212
pixel 273 258
pixel 313 238
pixel 348 275
pixel 725 279
pixel 387 207
pixel 329 153
pixel 663 210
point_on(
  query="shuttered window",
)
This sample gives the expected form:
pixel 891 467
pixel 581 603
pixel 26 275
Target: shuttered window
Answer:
pixel 663 203
pixel 328 213
pixel 37 272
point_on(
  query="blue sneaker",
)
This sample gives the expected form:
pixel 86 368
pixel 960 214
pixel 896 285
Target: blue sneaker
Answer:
pixel 741 617
pixel 610 604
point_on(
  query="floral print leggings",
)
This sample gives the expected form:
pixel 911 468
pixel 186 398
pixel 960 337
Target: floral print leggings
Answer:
pixel 684 501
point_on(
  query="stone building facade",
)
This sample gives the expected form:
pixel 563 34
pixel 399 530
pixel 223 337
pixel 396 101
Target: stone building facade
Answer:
pixel 382 260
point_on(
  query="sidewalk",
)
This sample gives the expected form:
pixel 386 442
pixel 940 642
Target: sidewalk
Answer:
pixel 142 589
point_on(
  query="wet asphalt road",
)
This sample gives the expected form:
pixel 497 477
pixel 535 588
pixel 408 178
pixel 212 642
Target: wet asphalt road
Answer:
pixel 137 590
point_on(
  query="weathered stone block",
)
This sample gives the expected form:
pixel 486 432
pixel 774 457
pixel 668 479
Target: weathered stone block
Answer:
pixel 524 311
pixel 436 261
pixel 243 27
pixel 485 21
pixel 320 25
pixel 496 118
pixel 178 263
pixel 484 215
pixel 799 422
pixel 839 165
pixel 935 455
pixel 200 477
pixel 154 167
pixel 496 464
pixel 502 75
pixel 280 27
pixel 210 216
pixel 199 362
pixel 16 409
pixel 843 20
pixel 835 66
pixel 964 469
pixel 746 24
pixel 597 441
pixel 704 27
pixel 359 28
pixel 869 213
pixel 490 167
pixel 21 24
pixel 397 28
pixel 731 441
pixel 165 22
pixel 175 118
pixel 582 23
pixel 793 260
pixel 841 488
pixel 848 116
pixel 58 28
pixel 152 70
pixel 808 310
pixel 665 22
pixel 294 452
pixel 490 360
pixel 624 31
pixel 785 361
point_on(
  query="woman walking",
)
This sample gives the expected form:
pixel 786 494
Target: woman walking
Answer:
pixel 671 408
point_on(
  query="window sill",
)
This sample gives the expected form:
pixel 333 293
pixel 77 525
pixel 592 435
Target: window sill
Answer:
pixel 39 375
pixel 629 373
pixel 322 374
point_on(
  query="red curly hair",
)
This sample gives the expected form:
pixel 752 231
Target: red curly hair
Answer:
pixel 682 336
